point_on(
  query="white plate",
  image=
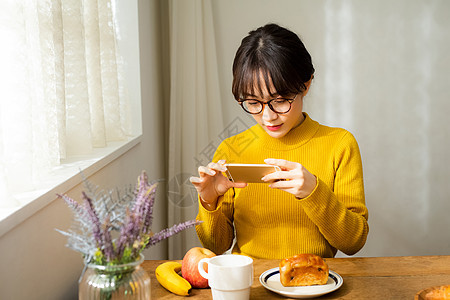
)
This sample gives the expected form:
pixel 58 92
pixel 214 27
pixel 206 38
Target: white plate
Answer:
pixel 270 279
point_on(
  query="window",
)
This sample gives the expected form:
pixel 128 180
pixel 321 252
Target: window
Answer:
pixel 65 104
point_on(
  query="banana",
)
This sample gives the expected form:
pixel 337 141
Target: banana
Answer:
pixel 167 275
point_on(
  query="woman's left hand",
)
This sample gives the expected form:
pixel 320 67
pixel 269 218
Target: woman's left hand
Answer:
pixel 293 178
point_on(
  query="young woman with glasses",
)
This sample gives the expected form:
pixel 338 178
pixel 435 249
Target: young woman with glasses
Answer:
pixel 315 204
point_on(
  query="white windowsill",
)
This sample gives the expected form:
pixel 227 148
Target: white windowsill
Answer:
pixel 66 177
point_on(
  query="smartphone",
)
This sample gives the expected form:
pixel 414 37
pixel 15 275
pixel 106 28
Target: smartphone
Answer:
pixel 250 173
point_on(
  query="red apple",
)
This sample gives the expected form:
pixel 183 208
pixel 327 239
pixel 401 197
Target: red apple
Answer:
pixel 189 266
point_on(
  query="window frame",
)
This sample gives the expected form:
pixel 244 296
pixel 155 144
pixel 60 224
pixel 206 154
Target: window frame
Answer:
pixel 67 175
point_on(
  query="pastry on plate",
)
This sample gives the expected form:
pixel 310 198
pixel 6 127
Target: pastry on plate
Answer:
pixel 440 293
pixel 303 270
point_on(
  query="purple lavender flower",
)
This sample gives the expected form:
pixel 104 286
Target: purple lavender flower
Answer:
pixel 70 202
pixel 165 233
pixel 108 246
pixel 96 227
pixel 80 213
pixel 145 200
pixel 143 207
pixel 126 234
pixel 148 212
pixel 102 213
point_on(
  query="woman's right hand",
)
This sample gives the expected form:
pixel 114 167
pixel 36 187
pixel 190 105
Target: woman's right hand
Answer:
pixel 211 184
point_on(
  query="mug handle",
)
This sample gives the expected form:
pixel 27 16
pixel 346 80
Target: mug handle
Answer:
pixel 200 267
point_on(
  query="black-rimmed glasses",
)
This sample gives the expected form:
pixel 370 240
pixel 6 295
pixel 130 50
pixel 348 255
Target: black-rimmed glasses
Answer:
pixel 278 105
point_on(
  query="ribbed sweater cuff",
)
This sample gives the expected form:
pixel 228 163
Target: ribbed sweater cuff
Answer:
pixel 312 193
pixel 209 215
pixel 215 232
pixel 321 191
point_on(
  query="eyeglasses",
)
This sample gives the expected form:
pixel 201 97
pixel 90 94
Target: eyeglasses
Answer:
pixel 278 105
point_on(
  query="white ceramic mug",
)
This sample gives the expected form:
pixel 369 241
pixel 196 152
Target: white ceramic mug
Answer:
pixel 229 276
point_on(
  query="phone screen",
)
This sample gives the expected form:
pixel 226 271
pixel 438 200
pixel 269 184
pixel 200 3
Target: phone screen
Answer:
pixel 250 173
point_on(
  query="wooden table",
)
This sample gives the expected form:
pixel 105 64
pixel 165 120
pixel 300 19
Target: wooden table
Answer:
pixel 395 278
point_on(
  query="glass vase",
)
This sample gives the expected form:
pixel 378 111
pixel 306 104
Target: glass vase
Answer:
pixel 127 281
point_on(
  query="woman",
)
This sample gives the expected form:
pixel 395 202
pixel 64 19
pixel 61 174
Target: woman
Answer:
pixel 315 204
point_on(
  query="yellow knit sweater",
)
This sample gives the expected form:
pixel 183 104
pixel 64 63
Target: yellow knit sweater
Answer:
pixel 270 223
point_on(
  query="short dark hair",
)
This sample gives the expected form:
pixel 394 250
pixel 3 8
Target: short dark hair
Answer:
pixel 278 55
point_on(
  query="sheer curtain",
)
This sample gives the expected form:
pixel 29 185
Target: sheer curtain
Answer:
pixel 195 110
pixel 62 93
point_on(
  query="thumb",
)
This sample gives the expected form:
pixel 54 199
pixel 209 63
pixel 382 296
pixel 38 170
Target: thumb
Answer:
pixel 240 185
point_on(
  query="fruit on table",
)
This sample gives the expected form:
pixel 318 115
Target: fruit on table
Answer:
pixel 189 269
pixel 167 275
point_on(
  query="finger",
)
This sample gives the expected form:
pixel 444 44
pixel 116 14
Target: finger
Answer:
pixel 195 180
pixel 217 166
pixel 202 170
pixel 239 185
pixel 282 184
pixel 282 163
pixel 280 175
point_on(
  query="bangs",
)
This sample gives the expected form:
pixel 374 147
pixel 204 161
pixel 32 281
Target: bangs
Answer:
pixel 258 75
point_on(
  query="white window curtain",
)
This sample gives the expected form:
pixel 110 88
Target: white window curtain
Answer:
pixel 61 90
pixel 195 110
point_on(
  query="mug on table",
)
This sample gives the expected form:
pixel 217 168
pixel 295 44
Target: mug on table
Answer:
pixel 230 276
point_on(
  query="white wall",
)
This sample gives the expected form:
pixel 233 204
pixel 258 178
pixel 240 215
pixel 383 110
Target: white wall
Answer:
pixel 35 264
pixel 382 72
